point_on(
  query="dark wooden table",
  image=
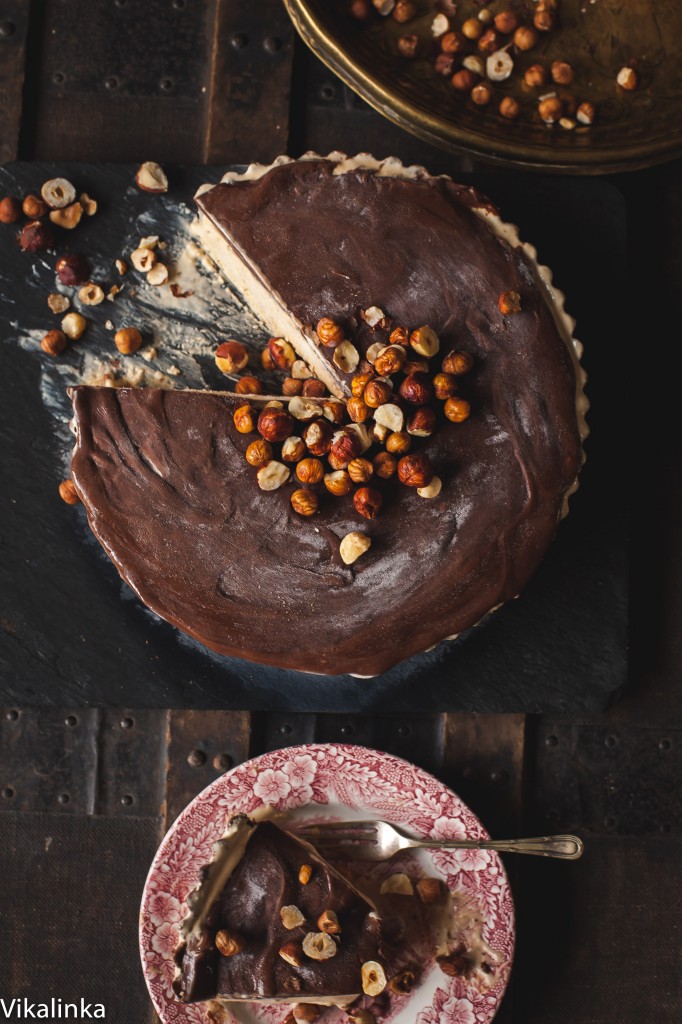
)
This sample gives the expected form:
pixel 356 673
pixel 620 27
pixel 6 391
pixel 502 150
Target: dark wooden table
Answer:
pixel 86 793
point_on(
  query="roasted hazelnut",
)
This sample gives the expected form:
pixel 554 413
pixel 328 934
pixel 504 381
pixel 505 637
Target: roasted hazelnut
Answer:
pixel 68 218
pixel 292 953
pixel 318 436
pixel 259 452
pixel 586 113
pixel 313 388
pixel 266 360
pixel 293 449
pixel 353 545
pixel 231 357
pixel 544 19
pixel 472 28
pixel 245 419
pixel 338 482
pixel 329 332
pixel 384 465
pixel 416 389
pixel 334 411
pixel 272 475
pixel 127 340
pixel 367 501
pixel 275 424
pixel 310 471
pixel 404 10
pixel 408 45
pixel 398 443
pixel 359 383
pixel 509 302
pixel 33 207
pixel 158 274
pixel 143 259
pixel 535 76
pixel 68 493
pixel 300 370
pixel 53 343
pixel 345 447
pixel 444 385
pixel 458 363
pixel 627 79
pixel 464 80
pixel 58 193
pixel 402 983
pixel 291 916
pixel 457 409
pixel 360 470
pixel 57 302
pixel 319 946
pixel 506 22
pixel 36 237
pixel 425 341
pixel 283 355
pixel 510 108
pixel 90 294
pixel 482 94
pixel 89 205
pixel 489 41
pixel 248 386
pixel 415 470
pixel 422 422
pixel 358 410
pixel 291 386
pixel 10 210
pixel 398 336
pixel 455 964
pixel 346 357
pixel 429 890
pixel 499 66
pixel 432 489
pixel 72 270
pixel 416 366
pixel 328 922
pixel 74 326
pixel 229 943
pixel 561 72
pixel 373 978
pixel 305 503
pixel 305 873
pixel 453 42
pixel 377 393
pixel 151 177
pixel 444 65
pixel 390 360
pixel 485 16
pixel 525 38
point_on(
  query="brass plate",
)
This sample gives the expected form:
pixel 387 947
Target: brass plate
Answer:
pixel 596 37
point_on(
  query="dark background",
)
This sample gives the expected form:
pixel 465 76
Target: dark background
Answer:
pixel 599 940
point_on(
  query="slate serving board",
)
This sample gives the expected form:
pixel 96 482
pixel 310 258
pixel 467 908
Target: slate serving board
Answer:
pixel 71 633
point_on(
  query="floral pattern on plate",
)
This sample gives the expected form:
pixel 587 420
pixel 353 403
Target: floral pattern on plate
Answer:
pixel 332 781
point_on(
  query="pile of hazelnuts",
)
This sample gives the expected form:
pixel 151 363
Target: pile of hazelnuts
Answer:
pixel 397 398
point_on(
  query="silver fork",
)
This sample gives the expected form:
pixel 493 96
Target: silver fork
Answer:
pixel 378 840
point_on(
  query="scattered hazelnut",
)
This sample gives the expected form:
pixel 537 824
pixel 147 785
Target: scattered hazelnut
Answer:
pixel 432 489
pixel 90 294
pixel 627 78
pixel 358 1015
pixel 127 340
pixel 229 943
pixel 358 410
pixel 561 72
pixel 359 383
pixel 151 177
pixel 535 76
pixel 408 45
pixel 444 385
pixel 482 94
pixel 390 360
pixel 328 922
pixel 445 64
pixel 510 108
pixel 310 471
pixel 10 210
pixel 425 341
pixel 338 482
pixel 368 502
pixel 293 449
pixel 302 408
pixel 53 343
pixel 377 393
pixel 305 503
pixel 245 420
pixel 360 470
pixel 402 983
pixel 373 978
pixel 74 325
pixel 143 259
pixel 248 386
pixel 69 217
pixel 319 946
pixel 384 465
pixel 318 436
pixel 329 332
pixel 266 360
pixel 89 205
pixel 231 357
pixel 58 193
pixel 346 357
pixel 313 388
pixel 272 475
pixel 390 416
pixel 36 237
pixel 360 431
pixel 259 452
pixel 455 965
pixel 489 41
pixel 334 411
pixel 57 302
pixel 404 10
pixel 372 315
pixel 499 66
pixel 485 16
pixel 544 20
pixel 567 123
pixel 352 546
pixel 275 424
pixel 398 443
pixel 506 22
pixel 68 493
pixel 429 890
pixel 72 270
pixel 397 884
pixel 586 113
pixel 158 275
pixel 439 25
pixel 292 954
pixel 305 873
pixel 283 355
pixel 291 386
pixel 415 470
pixel 472 28
pixel 422 422
pixel 416 366
pixel 509 302
pixel 345 447
pixel 463 80
pixel 416 389
pixel 457 410
pixel 452 42
pixel 121 266
pixel 33 207
pixel 300 370
pixel 525 38
pixel 458 363
pixel 306 1013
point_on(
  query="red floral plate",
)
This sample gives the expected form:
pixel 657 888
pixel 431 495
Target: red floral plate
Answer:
pixel 318 782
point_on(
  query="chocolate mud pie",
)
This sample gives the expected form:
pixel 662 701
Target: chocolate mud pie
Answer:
pixel 404 509
pixel 272 921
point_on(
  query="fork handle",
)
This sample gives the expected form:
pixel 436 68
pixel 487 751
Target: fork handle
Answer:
pixel 564 847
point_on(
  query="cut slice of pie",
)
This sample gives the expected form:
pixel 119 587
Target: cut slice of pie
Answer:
pixel 273 921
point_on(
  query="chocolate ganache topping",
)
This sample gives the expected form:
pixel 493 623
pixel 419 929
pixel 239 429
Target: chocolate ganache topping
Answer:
pixel 176 506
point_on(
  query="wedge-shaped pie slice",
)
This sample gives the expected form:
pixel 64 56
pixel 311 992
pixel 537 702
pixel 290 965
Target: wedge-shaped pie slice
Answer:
pixel 272 921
